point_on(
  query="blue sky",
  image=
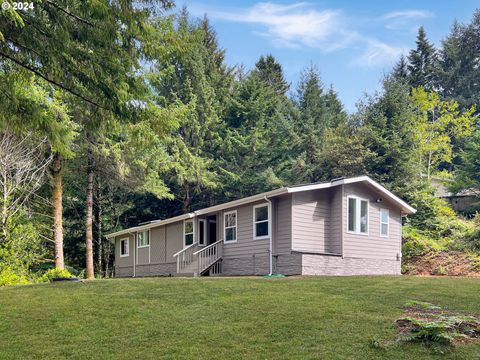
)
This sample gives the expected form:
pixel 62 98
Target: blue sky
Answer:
pixel 353 43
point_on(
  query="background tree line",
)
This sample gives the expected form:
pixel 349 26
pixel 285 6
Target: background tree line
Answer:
pixel 123 112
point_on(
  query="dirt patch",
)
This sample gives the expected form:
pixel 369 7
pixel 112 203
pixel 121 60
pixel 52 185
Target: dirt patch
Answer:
pixel 429 324
pixel 443 263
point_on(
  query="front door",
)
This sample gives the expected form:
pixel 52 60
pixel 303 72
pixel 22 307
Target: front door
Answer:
pixel 212 230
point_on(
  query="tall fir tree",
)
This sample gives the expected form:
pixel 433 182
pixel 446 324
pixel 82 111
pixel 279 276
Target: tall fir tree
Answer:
pixel 422 62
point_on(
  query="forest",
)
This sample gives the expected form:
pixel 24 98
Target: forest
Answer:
pixel 115 113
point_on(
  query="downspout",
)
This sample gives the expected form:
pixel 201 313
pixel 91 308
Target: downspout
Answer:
pixel 134 253
pixel 270 214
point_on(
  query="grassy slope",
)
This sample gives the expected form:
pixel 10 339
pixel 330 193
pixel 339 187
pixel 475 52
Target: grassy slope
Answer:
pixel 234 318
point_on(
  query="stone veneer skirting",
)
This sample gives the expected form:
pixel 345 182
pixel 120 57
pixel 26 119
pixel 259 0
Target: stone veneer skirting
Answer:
pixel 166 269
pixel 295 263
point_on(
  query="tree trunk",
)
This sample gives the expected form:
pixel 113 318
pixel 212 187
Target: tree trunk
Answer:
pixel 89 218
pixel 99 229
pixel 186 198
pixel 57 211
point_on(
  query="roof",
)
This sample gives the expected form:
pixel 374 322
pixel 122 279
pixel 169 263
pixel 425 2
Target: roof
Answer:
pixel 406 209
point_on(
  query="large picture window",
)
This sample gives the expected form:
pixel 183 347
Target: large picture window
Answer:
pixel 143 238
pixel 188 232
pixel 261 218
pixel 230 226
pixel 384 222
pixel 357 215
pixel 124 247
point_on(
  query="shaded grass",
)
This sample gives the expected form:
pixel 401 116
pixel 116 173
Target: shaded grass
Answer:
pixel 218 318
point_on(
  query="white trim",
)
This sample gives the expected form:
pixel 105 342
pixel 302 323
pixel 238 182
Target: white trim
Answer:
pixel 255 237
pixel 193 232
pixel 387 223
pixel 143 246
pixel 358 219
pixel 406 209
pixel 205 222
pixel 128 247
pixel 230 227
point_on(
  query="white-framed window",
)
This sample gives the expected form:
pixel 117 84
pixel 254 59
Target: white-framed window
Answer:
pixel 143 238
pixel 202 231
pixel 384 222
pixel 261 218
pixel 357 215
pixel 230 226
pixel 188 230
pixel 124 247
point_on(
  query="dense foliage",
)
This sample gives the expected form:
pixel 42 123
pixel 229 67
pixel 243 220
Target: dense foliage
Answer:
pixel 140 118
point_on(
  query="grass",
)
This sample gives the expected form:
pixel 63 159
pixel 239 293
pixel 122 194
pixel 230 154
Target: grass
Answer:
pixel 224 318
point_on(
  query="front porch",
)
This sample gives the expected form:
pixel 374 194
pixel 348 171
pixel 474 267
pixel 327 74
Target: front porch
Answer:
pixel 202 252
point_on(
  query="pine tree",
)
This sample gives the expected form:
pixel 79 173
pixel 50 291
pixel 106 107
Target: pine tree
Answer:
pixel 271 73
pixel 400 69
pixel 423 62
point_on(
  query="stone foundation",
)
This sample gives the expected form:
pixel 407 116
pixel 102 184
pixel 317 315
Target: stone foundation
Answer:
pixel 166 269
pixel 313 264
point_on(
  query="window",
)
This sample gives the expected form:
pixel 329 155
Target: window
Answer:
pixel 143 238
pixel 357 215
pixel 230 226
pixel 261 217
pixel 384 220
pixel 202 231
pixel 124 247
pixel 188 232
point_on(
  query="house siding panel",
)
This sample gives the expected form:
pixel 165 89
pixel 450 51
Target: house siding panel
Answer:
pixel 373 246
pixel 310 221
pixel 158 245
pixel 174 240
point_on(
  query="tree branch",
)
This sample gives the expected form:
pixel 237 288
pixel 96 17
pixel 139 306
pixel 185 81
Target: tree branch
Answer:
pixel 69 13
pixel 53 82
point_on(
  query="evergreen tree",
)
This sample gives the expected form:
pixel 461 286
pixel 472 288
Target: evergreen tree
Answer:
pixel 270 72
pixel 423 62
pixel 400 69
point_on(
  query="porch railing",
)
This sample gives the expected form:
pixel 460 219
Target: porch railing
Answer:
pixel 208 256
pixel 185 257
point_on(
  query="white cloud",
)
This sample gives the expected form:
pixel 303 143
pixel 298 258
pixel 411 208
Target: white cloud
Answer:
pixel 408 14
pixel 378 53
pixel 294 25
pixel 405 19
pixel 299 25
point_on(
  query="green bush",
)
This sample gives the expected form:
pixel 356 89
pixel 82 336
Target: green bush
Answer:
pixel 9 278
pixel 54 273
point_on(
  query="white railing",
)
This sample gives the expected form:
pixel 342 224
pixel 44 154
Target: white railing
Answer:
pixel 208 256
pixel 185 257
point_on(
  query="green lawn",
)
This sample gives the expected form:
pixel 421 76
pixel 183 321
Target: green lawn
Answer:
pixel 223 318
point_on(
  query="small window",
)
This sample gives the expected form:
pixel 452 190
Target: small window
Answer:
pixel 261 216
pixel 230 226
pixel 143 238
pixel 384 222
pixel 357 215
pixel 188 232
pixel 124 247
pixel 202 231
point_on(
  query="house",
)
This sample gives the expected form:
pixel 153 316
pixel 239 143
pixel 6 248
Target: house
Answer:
pixel 348 226
pixel 466 201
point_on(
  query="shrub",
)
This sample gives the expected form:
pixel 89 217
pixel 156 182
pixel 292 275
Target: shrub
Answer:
pixel 9 278
pixel 54 273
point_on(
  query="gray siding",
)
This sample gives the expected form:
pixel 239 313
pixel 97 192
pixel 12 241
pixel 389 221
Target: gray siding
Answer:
pixel 127 260
pixel 311 221
pixel 158 245
pixel 282 225
pixel 373 246
pixel 334 243
pixel 246 245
